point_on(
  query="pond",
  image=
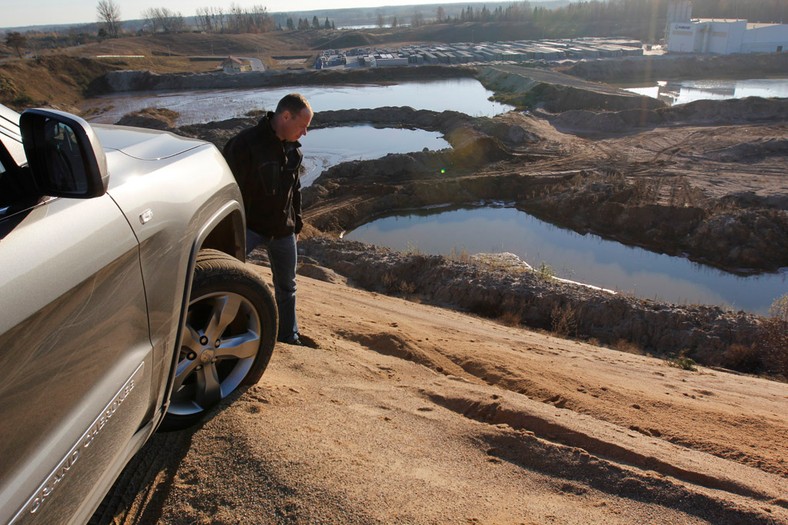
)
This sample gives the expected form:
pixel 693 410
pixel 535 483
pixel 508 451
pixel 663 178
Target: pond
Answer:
pixel 584 258
pixel 323 148
pixel 683 91
pixel 466 95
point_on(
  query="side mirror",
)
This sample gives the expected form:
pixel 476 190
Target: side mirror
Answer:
pixel 64 154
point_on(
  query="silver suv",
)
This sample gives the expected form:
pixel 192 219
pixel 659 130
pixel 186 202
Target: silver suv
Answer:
pixel 125 304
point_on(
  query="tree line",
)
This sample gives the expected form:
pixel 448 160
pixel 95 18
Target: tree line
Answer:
pixel 760 11
pixel 587 18
pixel 642 19
pixel 218 19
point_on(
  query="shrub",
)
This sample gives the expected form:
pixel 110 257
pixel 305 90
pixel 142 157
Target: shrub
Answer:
pixel 460 255
pixel 622 345
pixel 742 358
pixel 564 320
pixel 510 318
pixel 772 345
pixel 545 271
pixel 683 362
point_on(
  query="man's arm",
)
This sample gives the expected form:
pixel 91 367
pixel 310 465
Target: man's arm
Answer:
pixel 299 222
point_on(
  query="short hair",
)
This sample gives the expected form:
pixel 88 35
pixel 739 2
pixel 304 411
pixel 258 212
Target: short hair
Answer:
pixel 294 103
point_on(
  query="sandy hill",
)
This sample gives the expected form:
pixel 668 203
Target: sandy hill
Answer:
pixel 406 413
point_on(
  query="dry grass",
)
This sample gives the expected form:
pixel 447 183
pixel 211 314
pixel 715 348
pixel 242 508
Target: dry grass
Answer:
pixel 622 345
pixel 773 343
pixel 460 255
pixel 564 320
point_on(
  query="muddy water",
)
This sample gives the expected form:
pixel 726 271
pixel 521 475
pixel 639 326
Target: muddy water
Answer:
pixel 324 148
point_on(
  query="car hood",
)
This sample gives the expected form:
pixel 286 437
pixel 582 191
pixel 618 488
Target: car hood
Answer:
pixel 144 144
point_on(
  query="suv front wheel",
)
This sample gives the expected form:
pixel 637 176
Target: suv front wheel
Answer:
pixel 227 340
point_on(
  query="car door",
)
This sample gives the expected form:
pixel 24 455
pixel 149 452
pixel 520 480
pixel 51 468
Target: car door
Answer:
pixel 74 350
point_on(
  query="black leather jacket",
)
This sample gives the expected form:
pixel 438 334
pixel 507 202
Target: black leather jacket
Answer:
pixel 267 170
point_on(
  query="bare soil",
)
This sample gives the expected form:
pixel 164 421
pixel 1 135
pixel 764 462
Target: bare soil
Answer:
pixel 405 413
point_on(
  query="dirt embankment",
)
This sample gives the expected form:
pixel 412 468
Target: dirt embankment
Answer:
pixel 491 289
pixel 55 81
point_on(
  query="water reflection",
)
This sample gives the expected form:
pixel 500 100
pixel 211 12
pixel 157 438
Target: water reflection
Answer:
pixel 324 148
pixel 584 258
pixel 682 92
pixel 466 95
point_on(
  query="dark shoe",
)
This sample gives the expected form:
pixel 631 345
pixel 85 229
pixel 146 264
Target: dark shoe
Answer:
pixel 307 341
pixel 302 340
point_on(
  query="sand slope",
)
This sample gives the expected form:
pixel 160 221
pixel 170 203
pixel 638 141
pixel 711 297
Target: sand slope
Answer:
pixel 406 413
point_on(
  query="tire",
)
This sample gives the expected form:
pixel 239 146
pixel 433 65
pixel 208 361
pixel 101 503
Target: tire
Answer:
pixel 227 339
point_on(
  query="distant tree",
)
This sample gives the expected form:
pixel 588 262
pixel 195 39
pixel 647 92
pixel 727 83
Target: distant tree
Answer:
pixel 17 41
pixel 303 24
pixel 327 24
pixel 417 19
pixel 440 14
pixel 203 20
pixel 235 19
pixel 253 20
pixel 259 20
pixel 290 24
pixel 394 21
pixel 381 21
pixel 164 20
pixel 210 19
pixel 315 22
pixel 109 15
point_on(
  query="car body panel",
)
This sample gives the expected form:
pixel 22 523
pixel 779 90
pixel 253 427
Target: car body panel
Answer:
pixel 144 144
pixel 79 259
pixel 167 227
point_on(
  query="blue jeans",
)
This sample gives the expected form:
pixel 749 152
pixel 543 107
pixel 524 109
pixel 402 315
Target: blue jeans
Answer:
pixel 283 256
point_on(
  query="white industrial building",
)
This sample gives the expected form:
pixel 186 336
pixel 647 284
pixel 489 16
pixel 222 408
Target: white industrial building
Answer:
pixel 723 37
pixel 385 59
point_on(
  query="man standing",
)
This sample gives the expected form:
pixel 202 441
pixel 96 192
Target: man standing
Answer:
pixel 266 162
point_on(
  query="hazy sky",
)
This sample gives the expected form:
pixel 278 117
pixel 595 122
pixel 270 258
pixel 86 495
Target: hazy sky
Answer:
pixel 14 13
